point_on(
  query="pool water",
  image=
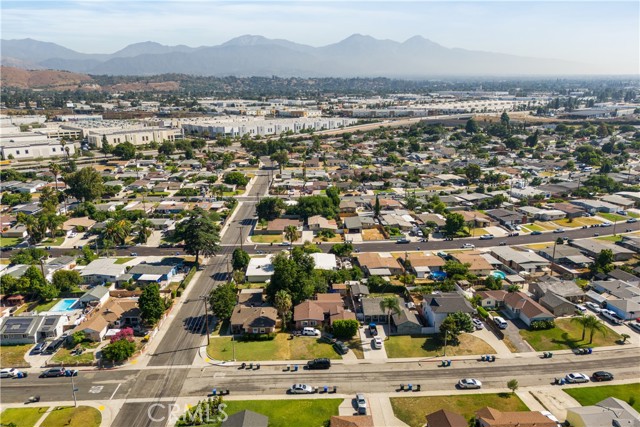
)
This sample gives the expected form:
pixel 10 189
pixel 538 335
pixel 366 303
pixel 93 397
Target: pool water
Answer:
pixel 499 274
pixel 64 305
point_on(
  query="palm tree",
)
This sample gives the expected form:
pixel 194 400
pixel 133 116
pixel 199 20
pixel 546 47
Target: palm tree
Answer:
pixel 283 304
pixel 117 231
pixel 390 304
pixel 291 233
pixel 144 227
pixel 594 326
pixel 582 321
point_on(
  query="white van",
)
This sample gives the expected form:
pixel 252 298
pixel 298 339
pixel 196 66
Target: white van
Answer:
pixel 312 332
pixel 502 324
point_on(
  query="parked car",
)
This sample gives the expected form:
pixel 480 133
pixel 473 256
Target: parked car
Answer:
pixel 53 347
pixel 593 306
pixel 602 376
pixel 634 325
pixel 576 377
pixel 301 389
pixel 8 372
pixel 322 363
pixel 551 417
pixel 468 246
pixel 632 220
pixel 502 324
pixel 37 349
pixel 53 372
pixel 312 332
pixel 468 383
pixel 581 308
pixel 340 347
pixel 611 316
pixel 478 324
pixel 558 230
pixel 373 329
pixel 487 237
pixel 361 402
pixel 536 233
pixel 376 342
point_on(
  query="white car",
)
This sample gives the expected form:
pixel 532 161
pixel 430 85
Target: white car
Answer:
pixel 477 323
pixel 486 237
pixel 634 325
pixel 606 224
pixel 467 383
pixel 468 246
pixel 301 389
pixel 559 230
pixel 311 332
pixel 581 308
pixel 8 373
pixel 576 377
pixel 376 342
pixel 593 306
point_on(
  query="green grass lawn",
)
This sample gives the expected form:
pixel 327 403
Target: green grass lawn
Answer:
pixel 430 346
pixel 9 241
pixel 45 306
pixel 617 238
pixel 281 413
pixel 55 242
pixel 533 227
pixel 633 214
pixel 280 348
pixel 64 356
pixel 612 217
pixel 22 417
pixel 12 356
pixel 591 395
pixel 82 416
pixel 124 260
pixel 566 335
pixel 412 410
pixel 266 238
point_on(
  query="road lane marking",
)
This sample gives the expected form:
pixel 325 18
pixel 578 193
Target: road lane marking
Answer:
pixel 96 389
pixel 114 391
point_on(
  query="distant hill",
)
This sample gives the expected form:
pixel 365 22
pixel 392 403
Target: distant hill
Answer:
pixel 251 55
pixel 39 79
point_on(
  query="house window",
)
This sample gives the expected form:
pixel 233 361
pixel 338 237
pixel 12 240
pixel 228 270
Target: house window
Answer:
pixel 26 151
pixel 17 151
pixel 305 323
pixel 312 323
pixel 262 331
pixel 255 330
pixel 53 149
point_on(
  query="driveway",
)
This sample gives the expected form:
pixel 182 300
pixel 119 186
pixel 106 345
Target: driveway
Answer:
pixel 490 338
pixel 513 333
pixel 366 338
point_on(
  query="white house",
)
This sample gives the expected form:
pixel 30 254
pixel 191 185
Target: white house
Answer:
pixel 260 269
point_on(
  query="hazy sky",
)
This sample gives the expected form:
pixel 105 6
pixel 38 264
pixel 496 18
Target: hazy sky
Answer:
pixel 594 32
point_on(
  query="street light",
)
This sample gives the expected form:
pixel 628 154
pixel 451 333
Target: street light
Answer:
pixel 206 316
pixel 73 391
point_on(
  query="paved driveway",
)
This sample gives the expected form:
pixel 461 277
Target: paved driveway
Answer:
pixel 513 333
pixel 366 338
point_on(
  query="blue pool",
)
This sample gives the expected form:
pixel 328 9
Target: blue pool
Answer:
pixel 499 274
pixel 64 305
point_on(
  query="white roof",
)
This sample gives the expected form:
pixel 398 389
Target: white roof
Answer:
pixel 260 266
pixel 325 261
pixel 103 267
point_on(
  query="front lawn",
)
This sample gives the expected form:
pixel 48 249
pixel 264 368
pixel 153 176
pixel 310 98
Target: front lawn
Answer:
pixel 57 241
pixel 266 238
pixel 123 260
pixel 64 356
pixel 279 348
pixel 566 335
pixel 612 217
pixel 22 417
pixel 612 238
pixel 412 410
pixel 431 346
pixel 9 241
pixel 12 356
pixel 82 416
pixel 532 227
pixel 281 413
pixel 587 396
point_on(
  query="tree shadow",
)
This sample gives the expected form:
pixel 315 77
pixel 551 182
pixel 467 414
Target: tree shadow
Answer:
pixel 504 395
pixel 568 341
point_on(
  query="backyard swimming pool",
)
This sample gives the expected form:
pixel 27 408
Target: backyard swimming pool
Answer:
pixel 499 274
pixel 64 305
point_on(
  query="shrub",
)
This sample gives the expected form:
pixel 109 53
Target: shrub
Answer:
pixel 482 312
pixel 124 334
pixel 345 329
pixel 539 325
pixel 258 337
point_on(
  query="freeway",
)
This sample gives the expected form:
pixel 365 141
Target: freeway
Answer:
pixel 149 385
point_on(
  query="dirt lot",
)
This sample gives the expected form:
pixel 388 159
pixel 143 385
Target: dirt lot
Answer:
pixel 372 234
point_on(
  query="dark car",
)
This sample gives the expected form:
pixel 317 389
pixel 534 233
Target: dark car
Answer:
pixel 340 347
pixel 38 348
pixel 536 233
pixel 602 376
pixel 53 372
pixel 323 363
pixel 373 329
pixel 53 347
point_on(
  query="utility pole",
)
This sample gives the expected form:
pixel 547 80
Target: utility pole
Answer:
pixel 446 333
pixel 206 317
pixel 241 237
pixel 73 391
pixel 553 257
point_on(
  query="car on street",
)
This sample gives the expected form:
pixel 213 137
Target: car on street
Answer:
pixel 469 383
pixel 404 240
pixel 632 220
pixel 576 377
pixel 487 237
pixel 634 325
pixel 301 389
pixel 134 253
pixel 606 224
pixel 53 372
pixel 376 342
pixel 284 244
pixel 8 373
pixel 340 347
pixel 373 329
pixel 558 230
pixel 468 246
pixel 322 363
pixel 602 376
pixel 361 402
pixel 477 323
pixel 536 233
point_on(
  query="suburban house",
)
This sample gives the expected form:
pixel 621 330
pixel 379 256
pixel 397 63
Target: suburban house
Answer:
pixel 322 311
pixel 372 311
pixel 570 210
pixel 607 412
pixel 478 265
pixel 564 288
pixel 422 265
pixel 557 305
pixel 102 270
pixel 253 320
pixel 260 269
pixel 519 305
pixel 94 297
pixel 246 418
pixel 308 313
pixel 506 217
pixel 567 260
pixel 352 224
pixel 278 225
pixel 379 264
pixel 30 329
pixel 620 297
pixel 320 223
pixel 445 418
pixel 435 307
pixel 406 322
pixel 491 300
pixel 153 273
pixel 520 261
pixel 351 421
pixel 114 314
pixel 490 417
pixel 324 261
pixel 592 248
pixel 348 206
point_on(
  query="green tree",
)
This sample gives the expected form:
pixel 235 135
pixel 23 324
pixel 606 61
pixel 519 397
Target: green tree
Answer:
pixel 28 256
pixel 603 130
pixel 473 172
pixel 66 280
pixel 334 194
pixel 85 185
pixel 200 234
pixel 345 328
pixel 586 322
pixel 309 206
pixel 294 274
pixel 167 148
pixel 119 350
pixel 291 233
pixel 240 259
pixel 596 326
pixel 454 224
pixel 532 140
pixel 125 151
pixel 105 146
pixel 376 207
pixel 390 304
pixel 603 262
pixel 282 302
pixel 281 157
pixel 144 228
pixel 342 249
pixel 151 304
pixel 505 120
pixel 456 323
pixel 269 208
pixel 222 300
pixel 512 385
pixel 236 178
pixel 117 231
pixel 472 126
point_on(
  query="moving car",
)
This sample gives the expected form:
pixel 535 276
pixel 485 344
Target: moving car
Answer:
pixel 576 377
pixel 468 383
pixel 322 363
pixel 606 224
pixel 403 241
pixel 373 329
pixel 362 404
pixel 632 220
pixel 536 233
pixel 468 246
pixel 478 323
pixel 376 342
pixel 312 332
pixel 301 389
pixel 602 376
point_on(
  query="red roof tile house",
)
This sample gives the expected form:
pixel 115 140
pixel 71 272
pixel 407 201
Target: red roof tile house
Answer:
pixel 322 311
pixel 444 418
pixel 521 306
pixel 278 225
pixel 489 417
pixel 253 320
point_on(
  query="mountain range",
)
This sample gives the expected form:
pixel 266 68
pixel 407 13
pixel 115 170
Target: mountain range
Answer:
pixel 249 55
